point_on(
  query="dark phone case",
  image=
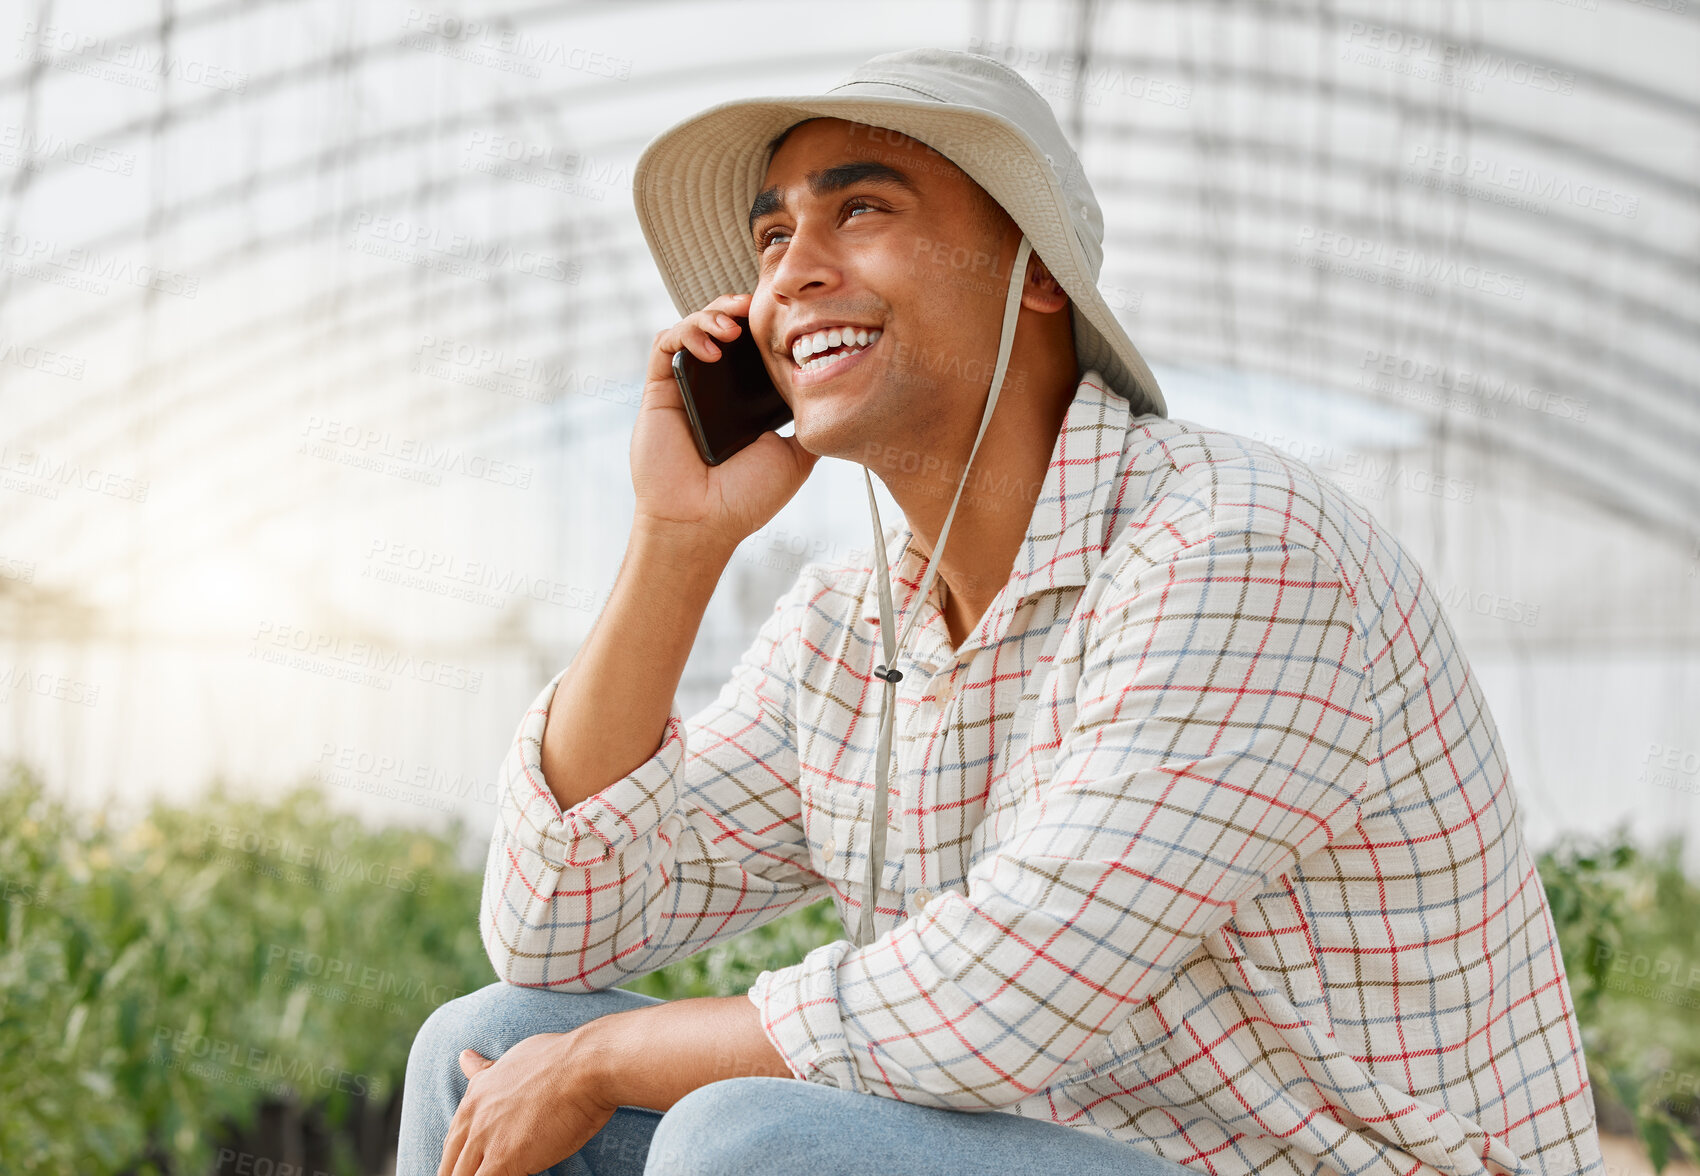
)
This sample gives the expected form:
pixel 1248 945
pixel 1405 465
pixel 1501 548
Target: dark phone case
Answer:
pixel 729 406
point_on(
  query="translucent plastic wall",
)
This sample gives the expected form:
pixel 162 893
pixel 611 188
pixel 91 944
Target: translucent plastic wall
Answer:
pixel 322 324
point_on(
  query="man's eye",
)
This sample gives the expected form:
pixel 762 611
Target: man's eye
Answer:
pixel 768 236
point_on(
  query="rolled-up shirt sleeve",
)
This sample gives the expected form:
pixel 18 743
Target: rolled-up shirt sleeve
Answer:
pixel 1220 732
pixel 702 841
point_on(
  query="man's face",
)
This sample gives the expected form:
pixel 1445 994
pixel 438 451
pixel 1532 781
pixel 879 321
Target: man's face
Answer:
pixel 863 227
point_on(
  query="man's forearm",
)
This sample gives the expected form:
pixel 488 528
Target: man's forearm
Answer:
pixel 610 709
pixel 656 1055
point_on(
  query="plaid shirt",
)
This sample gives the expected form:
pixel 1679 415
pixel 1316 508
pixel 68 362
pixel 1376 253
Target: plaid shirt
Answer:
pixel 1204 839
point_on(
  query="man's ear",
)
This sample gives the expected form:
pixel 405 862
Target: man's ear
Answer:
pixel 1041 292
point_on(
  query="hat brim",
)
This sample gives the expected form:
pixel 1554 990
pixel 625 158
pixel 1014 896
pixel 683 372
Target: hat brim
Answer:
pixel 694 183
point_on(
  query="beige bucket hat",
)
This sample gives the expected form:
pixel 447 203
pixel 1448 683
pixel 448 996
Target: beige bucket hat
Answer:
pixel 694 184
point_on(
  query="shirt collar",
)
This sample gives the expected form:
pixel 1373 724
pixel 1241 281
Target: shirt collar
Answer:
pixel 1064 538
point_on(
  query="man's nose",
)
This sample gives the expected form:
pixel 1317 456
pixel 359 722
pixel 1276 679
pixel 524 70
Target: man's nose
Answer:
pixel 810 265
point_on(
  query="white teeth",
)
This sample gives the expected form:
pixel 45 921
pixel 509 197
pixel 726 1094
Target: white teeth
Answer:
pixel 824 360
pixel 819 341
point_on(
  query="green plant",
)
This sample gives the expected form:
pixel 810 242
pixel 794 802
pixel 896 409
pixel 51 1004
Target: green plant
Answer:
pixel 1631 945
pixel 163 983
pixel 164 979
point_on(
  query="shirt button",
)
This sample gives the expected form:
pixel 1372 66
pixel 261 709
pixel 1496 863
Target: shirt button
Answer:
pixel 945 693
pixel 922 897
pixel 828 848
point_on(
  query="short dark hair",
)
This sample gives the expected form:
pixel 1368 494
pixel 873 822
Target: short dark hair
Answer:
pixel 991 216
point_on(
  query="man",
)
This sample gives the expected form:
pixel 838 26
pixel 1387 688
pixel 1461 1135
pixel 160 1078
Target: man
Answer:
pixel 1182 834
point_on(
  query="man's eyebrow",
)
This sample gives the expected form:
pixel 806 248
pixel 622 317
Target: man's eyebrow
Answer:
pixel 833 179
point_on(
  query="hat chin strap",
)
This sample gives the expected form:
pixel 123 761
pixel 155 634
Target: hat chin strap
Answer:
pixel 887 671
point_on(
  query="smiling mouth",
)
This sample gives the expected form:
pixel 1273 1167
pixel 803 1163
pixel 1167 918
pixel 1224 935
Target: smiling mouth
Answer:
pixel 823 349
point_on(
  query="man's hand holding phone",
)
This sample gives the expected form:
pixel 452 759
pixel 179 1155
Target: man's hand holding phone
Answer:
pixel 609 711
pixel 678 493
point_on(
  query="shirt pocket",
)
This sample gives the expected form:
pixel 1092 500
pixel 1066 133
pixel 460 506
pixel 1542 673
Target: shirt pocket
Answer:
pixel 836 819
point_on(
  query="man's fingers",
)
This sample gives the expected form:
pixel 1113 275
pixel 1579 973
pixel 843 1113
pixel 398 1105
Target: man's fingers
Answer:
pixel 469 1160
pixel 703 344
pixel 455 1142
pixel 472 1062
pixel 698 333
pixel 733 304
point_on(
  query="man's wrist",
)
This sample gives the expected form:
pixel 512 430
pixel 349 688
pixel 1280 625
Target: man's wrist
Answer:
pixel 680 544
pixel 654 1055
pixel 592 1060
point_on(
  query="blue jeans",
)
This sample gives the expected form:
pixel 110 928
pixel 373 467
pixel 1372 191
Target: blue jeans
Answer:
pixel 754 1126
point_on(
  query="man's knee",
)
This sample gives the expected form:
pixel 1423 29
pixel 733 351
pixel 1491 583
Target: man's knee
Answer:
pixel 498 1016
pixel 452 1026
pixel 735 1126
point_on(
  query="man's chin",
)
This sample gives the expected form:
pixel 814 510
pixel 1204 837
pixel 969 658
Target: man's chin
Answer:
pixel 835 437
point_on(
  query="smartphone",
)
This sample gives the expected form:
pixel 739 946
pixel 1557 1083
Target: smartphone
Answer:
pixel 731 401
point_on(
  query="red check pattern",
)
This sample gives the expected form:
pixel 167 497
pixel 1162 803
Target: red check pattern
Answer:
pixel 1203 840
